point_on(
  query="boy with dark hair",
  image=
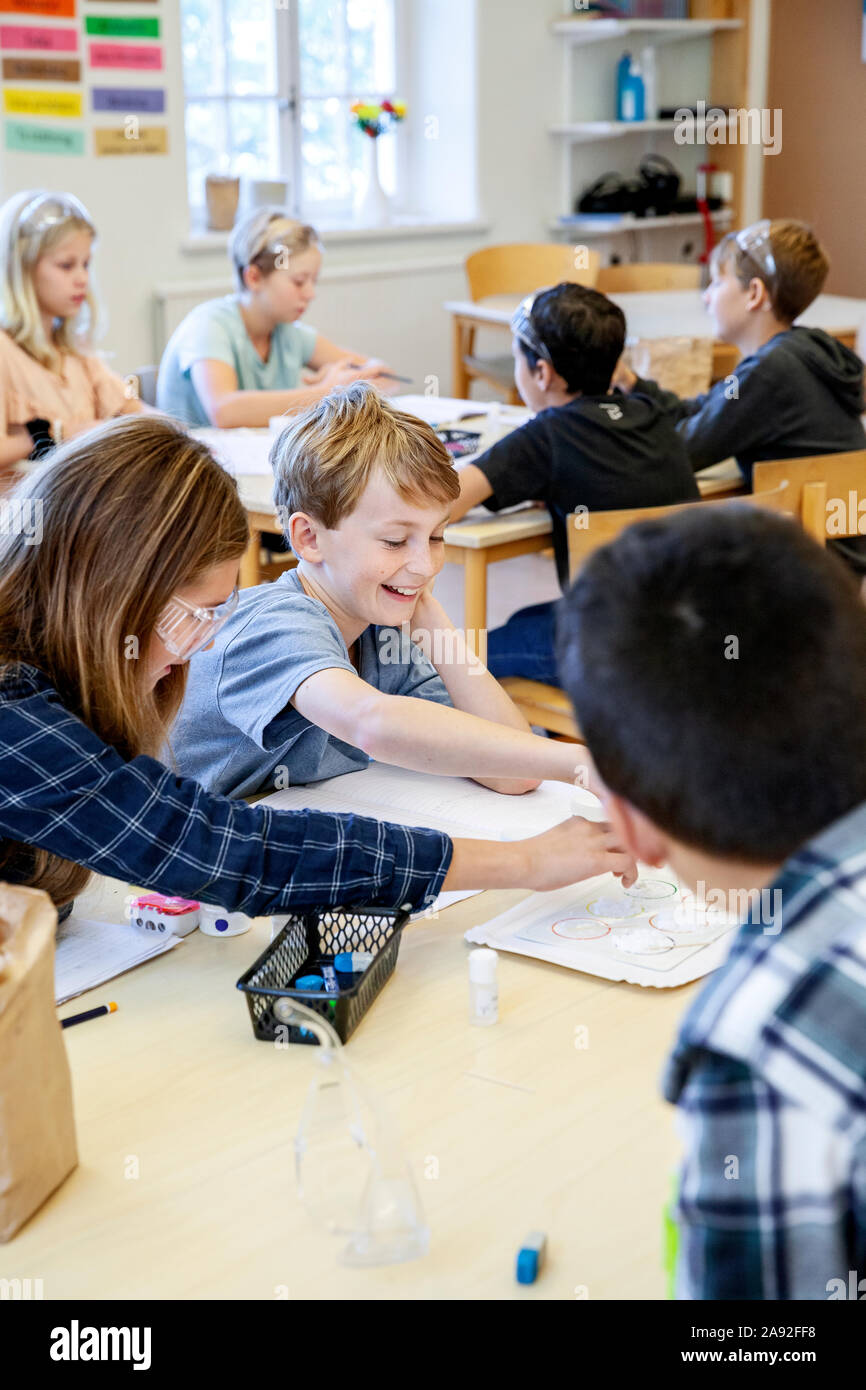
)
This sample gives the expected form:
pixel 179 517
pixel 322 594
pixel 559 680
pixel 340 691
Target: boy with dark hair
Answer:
pixel 717 664
pixel 585 448
pixel 797 391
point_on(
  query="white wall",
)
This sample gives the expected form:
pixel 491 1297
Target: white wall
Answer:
pixel 393 307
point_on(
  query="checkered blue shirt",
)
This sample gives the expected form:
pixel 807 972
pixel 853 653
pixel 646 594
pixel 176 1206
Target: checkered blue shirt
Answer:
pixel 769 1074
pixel 63 790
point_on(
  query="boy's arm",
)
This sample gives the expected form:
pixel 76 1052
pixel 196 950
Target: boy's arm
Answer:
pixel 474 489
pixel 428 737
pixel 734 417
pixel 469 684
pixel 515 469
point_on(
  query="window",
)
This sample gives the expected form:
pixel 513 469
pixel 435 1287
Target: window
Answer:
pixel 268 88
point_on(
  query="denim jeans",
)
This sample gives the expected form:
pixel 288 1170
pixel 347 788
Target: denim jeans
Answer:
pixel 525 645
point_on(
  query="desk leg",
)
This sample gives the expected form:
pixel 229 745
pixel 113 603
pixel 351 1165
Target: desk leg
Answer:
pixel 475 602
pixel 251 562
pixel 460 376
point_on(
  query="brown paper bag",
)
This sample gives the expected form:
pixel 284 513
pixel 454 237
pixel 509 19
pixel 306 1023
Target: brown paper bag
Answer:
pixel 683 365
pixel 37 1125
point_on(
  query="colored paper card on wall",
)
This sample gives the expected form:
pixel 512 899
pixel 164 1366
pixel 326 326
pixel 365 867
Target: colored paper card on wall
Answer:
pixel 46 40
pixel 146 140
pixel 51 9
pixel 128 99
pixel 41 70
pixel 146 56
pixel 42 139
pixel 119 27
pixel 24 101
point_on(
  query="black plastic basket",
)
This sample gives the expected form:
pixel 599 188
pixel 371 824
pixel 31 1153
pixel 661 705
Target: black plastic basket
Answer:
pixel 312 939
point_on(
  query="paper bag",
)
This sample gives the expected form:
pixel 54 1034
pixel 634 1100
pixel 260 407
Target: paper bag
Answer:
pixel 683 365
pixel 37 1125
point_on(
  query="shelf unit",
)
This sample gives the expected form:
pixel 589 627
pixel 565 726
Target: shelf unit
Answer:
pixel 723 24
pixel 588 227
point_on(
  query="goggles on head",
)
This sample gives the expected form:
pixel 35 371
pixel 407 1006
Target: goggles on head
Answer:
pixel 47 209
pixel 184 629
pixel 755 242
pixel 523 328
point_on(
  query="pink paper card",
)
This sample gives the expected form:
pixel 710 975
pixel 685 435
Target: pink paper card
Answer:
pixel 143 57
pixel 47 40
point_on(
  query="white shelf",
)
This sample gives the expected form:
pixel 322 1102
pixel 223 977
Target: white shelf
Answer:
pixel 584 31
pixel 583 132
pixel 628 223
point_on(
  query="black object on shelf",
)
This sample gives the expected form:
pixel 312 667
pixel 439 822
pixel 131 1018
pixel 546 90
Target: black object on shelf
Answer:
pixel 652 194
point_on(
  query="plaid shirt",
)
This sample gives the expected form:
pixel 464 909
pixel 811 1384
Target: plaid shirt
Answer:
pixel 63 790
pixel 769 1073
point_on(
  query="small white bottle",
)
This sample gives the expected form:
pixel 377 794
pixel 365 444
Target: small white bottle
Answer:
pixel 483 987
pixel 650 87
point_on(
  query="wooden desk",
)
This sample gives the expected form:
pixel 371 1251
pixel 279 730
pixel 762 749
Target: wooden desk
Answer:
pixel 523 1129
pixel 654 314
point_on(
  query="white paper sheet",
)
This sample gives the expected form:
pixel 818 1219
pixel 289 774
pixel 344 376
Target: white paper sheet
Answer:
pixel 242 452
pixel 594 925
pixel 88 953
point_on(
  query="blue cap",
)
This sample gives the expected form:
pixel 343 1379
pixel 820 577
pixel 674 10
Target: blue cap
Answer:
pixel 310 982
pixel 527 1266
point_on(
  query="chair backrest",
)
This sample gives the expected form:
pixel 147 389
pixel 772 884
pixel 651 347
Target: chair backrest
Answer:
pixel 829 490
pixel 648 275
pixel 146 383
pixel 521 267
pixel 589 531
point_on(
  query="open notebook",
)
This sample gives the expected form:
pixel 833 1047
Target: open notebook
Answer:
pixel 89 953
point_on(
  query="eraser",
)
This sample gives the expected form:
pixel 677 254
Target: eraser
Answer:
pixel 530 1257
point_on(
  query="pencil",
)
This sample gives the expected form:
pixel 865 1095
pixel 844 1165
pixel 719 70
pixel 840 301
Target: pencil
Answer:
pixel 90 1013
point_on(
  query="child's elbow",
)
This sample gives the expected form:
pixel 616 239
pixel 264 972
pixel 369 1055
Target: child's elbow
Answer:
pixel 220 413
pixel 510 786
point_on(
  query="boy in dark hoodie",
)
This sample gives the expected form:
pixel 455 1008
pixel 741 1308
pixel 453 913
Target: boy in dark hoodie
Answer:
pixel 585 448
pixel 797 391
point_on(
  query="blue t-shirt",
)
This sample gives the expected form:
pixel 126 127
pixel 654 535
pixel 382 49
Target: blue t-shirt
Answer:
pixel 237 733
pixel 217 330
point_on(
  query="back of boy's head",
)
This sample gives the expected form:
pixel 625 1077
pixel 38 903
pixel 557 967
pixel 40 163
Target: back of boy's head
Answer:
pixel 267 239
pixel 717 663
pixel 584 333
pixel 326 457
pixel 800 260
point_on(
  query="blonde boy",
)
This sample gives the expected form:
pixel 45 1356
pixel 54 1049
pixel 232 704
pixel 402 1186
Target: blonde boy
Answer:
pixel 350 657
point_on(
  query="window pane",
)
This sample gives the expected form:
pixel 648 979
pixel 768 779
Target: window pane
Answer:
pixel 252 48
pixel 371 47
pixel 323 58
pixel 206 145
pixel 202 47
pixel 327 153
pixel 254 138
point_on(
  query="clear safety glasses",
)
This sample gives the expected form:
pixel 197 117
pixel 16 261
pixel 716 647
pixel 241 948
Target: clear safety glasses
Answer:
pixel 755 242
pixel 523 328
pixel 46 209
pixel 184 629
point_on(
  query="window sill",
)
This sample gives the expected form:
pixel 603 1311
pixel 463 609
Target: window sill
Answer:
pixel 204 243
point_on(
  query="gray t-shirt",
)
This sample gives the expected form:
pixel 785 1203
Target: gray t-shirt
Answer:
pixel 236 732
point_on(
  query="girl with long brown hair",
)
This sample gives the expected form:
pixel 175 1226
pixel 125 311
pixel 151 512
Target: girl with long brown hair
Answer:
pixel 118 561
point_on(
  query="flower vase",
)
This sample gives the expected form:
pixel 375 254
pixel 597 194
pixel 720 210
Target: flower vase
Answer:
pixel 372 204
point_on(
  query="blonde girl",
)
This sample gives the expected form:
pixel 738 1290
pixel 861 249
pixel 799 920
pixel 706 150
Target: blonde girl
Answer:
pixel 246 357
pixel 126 568
pixel 51 386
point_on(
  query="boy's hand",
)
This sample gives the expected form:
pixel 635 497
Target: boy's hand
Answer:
pixel 623 377
pixel 573 850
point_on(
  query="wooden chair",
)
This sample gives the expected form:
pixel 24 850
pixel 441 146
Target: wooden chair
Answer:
pixel 516 268
pixel 821 488
pixel 546 705
pixel 644 276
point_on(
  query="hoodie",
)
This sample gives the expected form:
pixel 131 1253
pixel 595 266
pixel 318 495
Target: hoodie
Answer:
pixel 800 394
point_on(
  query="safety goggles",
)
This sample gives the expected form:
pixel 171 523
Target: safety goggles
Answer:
pixel 185 629
pixel 523 328
pixel 755 242
pixel 47 209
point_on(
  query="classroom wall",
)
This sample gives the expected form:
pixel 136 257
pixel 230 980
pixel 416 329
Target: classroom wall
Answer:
pixel 384 296
pixel 818 78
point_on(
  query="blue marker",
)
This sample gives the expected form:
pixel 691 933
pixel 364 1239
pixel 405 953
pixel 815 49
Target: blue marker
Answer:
pixel 530 1257
pixel 310 982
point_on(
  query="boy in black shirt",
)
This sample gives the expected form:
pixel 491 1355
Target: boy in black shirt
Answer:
pixel 796 392
pixel 585 448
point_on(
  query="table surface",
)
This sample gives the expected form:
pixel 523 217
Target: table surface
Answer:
pixel 507 1129
pixel 673 313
